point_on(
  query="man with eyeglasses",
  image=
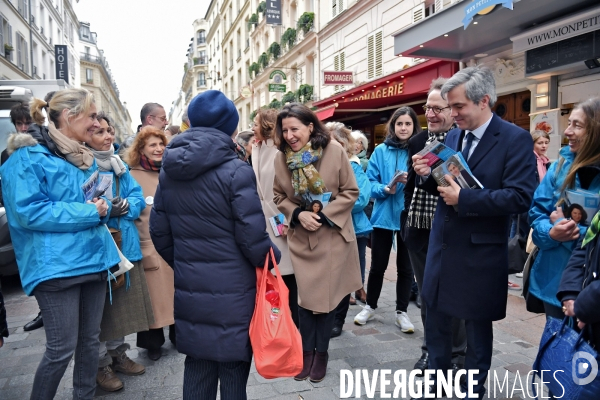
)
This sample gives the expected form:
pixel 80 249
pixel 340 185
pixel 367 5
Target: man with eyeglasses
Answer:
pixel 152 114
pixel 417 217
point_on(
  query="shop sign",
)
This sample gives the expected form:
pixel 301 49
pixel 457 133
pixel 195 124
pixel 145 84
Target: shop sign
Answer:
pixel 276 87
pixel 273 12
pixel 246 91
pixel 62 65
pixel 479 7
pixel 576 25
pixel 338 78
pixel 278 76
pixel 390 90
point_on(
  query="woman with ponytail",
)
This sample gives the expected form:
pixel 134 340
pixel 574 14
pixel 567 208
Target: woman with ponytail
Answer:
pixel 62 247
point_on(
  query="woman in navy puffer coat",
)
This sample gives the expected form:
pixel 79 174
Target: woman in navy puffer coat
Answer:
pixel 207 223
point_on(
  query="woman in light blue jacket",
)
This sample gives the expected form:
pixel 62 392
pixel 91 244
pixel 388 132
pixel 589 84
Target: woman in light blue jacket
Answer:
pixel 126 310
pixel 387 159
pixel 62 246
pixel 577 167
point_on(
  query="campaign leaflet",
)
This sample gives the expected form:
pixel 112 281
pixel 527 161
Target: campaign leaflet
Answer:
pixel 398 175
pixel 95 186
pixel 581 205
pixel 455 167
pixel 277 224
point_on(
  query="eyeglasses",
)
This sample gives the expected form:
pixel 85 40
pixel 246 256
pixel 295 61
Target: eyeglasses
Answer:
pixel 163 119
pixel 436 110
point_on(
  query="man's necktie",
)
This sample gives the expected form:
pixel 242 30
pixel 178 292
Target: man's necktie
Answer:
pixel 467 148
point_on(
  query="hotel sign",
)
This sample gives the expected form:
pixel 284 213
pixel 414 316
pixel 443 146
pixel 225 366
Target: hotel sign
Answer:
pixel 389 90
pixel 338 78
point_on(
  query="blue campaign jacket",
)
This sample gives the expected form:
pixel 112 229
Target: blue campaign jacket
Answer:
pixel 207 223
pixel 553 256
pixel 384 162
pixel 130 238
pixel 361 223
pixel 55 234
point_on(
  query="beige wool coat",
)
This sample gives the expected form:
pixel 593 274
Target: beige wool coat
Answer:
pixel 263 163
pixel 159 275
pixel 325 262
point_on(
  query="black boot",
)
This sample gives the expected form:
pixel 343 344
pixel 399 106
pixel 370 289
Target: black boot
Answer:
pixel 34 324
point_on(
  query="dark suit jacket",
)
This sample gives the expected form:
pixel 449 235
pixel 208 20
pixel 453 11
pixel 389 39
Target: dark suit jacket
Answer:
pixel 414 238
pixel 467 261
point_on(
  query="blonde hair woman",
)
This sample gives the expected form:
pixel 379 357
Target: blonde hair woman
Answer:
pixel 62 246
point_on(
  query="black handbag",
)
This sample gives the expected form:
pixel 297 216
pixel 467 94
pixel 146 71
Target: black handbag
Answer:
pixel 570 364
pixel 516 251
pixel 532 303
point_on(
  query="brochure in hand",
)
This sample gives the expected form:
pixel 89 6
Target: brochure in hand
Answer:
pixel 95 186
pixel 436 153
pixel 277 223
pixel 398 175
pixel 581 205
pixel 456 167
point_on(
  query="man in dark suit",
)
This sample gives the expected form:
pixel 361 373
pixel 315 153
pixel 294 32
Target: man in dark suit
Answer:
pixel 467 262
pixel 419 208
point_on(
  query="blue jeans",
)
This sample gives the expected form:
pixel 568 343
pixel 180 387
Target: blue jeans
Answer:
pixel 72 315
pixel 200 379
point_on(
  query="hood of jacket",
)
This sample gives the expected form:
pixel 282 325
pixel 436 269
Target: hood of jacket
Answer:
pixel 17 140
pixel 197 151
pixel 38 134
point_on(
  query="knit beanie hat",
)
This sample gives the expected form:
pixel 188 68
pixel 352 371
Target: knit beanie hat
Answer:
pixel 212 109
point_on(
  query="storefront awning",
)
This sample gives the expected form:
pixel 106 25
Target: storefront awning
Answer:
pixel 388 91
pixel 442 35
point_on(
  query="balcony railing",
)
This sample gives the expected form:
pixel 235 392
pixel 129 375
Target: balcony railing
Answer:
pixel 200 83
pixel 200 60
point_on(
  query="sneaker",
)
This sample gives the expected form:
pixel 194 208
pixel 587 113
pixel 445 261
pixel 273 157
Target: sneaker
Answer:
pixel 365 315
pixel 403 322
pixel 513 286
pixel 519 275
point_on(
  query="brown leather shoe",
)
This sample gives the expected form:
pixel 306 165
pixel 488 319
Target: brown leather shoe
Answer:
pixel 361 295
pixel 107 380
pixel 307 361
pixel 124 364
pixel 352 301
pixel 319 367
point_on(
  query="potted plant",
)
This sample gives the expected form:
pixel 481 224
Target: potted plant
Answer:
pixel 306 22
pixel 8 49
pixel 289 97
pixel 253 20
pixel 276 104
pixel 288 38
pixel 254 67
pixel 304 93
pixel 262 7
pixel 263 60
pixel 274 50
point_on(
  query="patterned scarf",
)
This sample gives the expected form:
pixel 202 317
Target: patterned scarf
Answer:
pixel 423 204
pixel 305 177
pixel 148 164
pixel 592 231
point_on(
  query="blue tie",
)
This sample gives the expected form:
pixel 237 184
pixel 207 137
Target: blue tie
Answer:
pixel 467 148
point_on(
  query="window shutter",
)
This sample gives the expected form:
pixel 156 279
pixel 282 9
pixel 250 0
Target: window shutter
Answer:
pixel 2 23
pixel 19 52
pixel 10 42
pixel 26 69
pixel 333 8
pixel 342 61
pixel 439 4
pixel 370 56
pixel 379 53
pixel 418 13
pixel 340 6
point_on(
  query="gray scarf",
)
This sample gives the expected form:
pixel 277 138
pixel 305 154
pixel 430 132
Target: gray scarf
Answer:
pixel 109 161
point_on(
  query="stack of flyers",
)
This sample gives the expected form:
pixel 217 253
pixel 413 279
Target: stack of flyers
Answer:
pixel 95 186
pixel 396 178
pixel 581 205
pixel 277 224
pixel 455 167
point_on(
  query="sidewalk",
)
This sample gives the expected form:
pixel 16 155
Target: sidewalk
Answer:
pixel 377 345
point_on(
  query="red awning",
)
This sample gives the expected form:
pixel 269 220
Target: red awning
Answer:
pixel 325 112
pixel 391 90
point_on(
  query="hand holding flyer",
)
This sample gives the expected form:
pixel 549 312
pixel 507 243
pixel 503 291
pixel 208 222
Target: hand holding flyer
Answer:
pixel 399 177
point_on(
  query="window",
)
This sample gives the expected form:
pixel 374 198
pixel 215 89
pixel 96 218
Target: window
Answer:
pixel 201 38
pixel 5 35
pixel 22 54
pixel 202 57
pixel 89 75
pixel 339 64
pixel 23 7
pixel 337 7
pixel 375 55
pixel 201 79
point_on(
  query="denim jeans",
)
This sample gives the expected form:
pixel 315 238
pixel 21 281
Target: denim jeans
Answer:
pixel 105 358
pixel 201 377
pixel 72 315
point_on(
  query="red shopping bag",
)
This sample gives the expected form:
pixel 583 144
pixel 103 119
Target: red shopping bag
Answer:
pixel 276 342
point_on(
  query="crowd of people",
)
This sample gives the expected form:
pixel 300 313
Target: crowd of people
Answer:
pixel 184 219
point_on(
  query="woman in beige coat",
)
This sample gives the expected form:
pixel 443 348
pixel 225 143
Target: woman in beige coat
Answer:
pixel 263 159
pixel 144 157
pixel 321 245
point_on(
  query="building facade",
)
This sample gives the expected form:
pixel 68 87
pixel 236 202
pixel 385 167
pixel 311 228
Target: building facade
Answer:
pixel 96 77
pixel 29 30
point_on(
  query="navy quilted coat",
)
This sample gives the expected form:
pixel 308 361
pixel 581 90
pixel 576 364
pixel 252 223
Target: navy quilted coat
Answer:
pixel 208 224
